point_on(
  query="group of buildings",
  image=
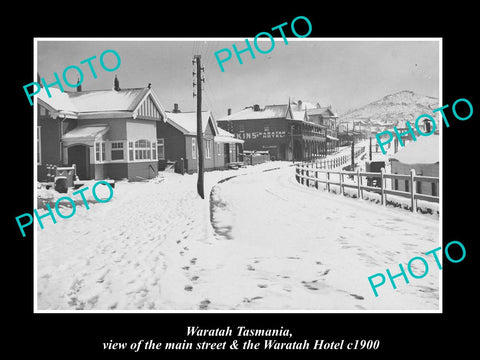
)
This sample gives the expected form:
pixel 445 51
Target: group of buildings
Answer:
pixel 124 133
pixel 292 131
pixel 127 133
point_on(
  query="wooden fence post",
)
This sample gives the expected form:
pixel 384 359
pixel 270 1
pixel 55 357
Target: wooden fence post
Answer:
pixel 382 187
pixel 358 183
pixel 302 173
pixel 341 182
pixel 308 175
pixel 412 191
pixel 328 181
pixel 316 182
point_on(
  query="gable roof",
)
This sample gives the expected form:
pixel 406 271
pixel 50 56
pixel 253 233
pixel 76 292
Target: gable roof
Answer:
pixel 95 103
pixel 426 150
pixel 186 122
pixel 325 111
pixel 268 112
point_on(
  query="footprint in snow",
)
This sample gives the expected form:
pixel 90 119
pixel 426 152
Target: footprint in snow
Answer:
pixel 193 261
pixel 204 304
pixel 188 288
pixel 358 297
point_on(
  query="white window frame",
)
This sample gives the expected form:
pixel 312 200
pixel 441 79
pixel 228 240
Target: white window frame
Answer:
pixel 161 143
pixel 194 148
pixel 154 151
pixel 98 152
pixel 131 151
pixel 116 149
pixel 219 149
pixel 39 145
pixel 208 152
pixel 140 150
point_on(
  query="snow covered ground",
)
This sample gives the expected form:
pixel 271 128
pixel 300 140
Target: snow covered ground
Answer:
pixel 275 245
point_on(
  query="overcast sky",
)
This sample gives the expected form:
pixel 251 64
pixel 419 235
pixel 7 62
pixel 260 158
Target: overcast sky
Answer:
pixel 344 74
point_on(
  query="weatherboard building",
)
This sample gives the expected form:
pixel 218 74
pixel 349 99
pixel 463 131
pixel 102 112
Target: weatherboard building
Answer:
pixel 105 133
pixel 293 131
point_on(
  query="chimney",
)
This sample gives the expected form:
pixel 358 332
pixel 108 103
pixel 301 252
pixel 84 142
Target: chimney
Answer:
pixel 79 86
pixel 229 111
pixel 116 84
pixel 256 107
pixel 175 108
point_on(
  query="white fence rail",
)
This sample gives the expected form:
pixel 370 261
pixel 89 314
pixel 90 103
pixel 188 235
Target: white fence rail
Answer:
pixel 308 174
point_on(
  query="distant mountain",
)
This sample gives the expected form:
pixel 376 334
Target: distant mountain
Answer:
pixel 393 109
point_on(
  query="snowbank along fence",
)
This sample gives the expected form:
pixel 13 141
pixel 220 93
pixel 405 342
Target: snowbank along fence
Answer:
pixel 337 161
pixel 308 174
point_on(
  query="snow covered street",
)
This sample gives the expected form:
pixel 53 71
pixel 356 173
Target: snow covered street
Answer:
pixel 275 245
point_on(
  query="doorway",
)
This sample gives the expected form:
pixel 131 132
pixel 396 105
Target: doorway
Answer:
pixel 80 156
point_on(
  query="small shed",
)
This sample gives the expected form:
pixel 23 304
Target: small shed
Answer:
pixel 422 155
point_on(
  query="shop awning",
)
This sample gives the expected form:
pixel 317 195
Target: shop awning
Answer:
pixel 84 134
pixel 228 139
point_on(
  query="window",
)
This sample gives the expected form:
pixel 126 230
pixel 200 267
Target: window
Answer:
pixel 154 150
pixel 116 150
pixel 419 187
pixel 194 148
pixel 161 149
pixel 97 152
pixel 39 145
pixel 207 149
pixel 130 150
pixel 103 151
pixel 142 150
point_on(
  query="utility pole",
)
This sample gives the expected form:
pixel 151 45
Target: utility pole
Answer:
pixel 200 185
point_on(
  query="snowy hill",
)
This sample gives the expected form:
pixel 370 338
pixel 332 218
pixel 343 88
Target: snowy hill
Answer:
pixel 393 109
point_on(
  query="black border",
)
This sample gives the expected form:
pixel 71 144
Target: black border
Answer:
pixel 400 334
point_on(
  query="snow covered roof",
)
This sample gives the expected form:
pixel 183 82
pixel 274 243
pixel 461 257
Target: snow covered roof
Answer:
pixel 299 115
pixel 325 111
pixel 423 151
pixel 226 137
pixel 186 122
pixel 85 133
pixel 108 100
pixel 96 101
pixel 303 105
pixel 268 112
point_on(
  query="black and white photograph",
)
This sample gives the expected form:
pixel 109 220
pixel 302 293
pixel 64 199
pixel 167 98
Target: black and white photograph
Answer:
pixel 266 235
pixel 292 183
